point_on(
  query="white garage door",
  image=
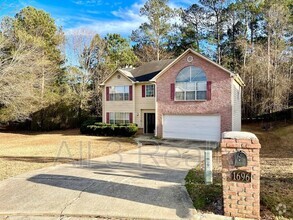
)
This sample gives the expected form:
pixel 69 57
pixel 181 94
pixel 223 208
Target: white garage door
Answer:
pixel 199 127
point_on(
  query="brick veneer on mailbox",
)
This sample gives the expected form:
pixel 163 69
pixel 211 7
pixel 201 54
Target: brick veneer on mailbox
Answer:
pixel 241 199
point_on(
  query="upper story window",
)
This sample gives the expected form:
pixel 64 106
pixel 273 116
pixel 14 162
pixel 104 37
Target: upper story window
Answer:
pixel 119 93
pixel 191 84
pixel 150 91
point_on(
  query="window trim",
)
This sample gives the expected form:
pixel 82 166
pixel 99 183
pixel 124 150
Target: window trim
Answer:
pixel 113 94
pixel 124 118
pixel 154 90
pixel 196 90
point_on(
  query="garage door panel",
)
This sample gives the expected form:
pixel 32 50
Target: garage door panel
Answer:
pixel 192 127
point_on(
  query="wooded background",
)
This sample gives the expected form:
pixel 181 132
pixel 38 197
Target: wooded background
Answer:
pixel 51 79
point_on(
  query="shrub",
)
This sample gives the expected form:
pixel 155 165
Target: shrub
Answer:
pixel 89 122
pixel 103 129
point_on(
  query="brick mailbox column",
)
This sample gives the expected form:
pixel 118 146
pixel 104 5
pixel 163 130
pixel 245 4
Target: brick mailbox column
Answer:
pixel 241 174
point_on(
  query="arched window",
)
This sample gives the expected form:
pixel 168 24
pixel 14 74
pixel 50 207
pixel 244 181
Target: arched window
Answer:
pixel 191 84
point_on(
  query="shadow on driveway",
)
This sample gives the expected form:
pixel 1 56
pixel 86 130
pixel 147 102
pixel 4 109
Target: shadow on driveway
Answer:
pixel 144 195
pixel 147 182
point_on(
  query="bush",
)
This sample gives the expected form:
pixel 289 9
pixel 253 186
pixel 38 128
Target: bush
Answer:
pixel 89 122
pixel 103 129
pixel 58 116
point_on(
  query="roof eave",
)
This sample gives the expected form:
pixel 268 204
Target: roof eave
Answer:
pixel 239 80
pixel 169 66
pixel 117 70
pixel 197 54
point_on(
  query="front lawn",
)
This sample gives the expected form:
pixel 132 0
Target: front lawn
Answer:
pixel 22 152
pixel 206 198
pixel 276 167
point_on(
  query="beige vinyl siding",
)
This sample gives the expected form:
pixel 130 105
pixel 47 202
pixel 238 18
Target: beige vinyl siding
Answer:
pixel 117 106
pixel 236 106
pixel 142 105
pixel 138 106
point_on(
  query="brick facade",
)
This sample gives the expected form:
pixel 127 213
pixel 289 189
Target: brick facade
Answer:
pixel 220 103
pixel 241 199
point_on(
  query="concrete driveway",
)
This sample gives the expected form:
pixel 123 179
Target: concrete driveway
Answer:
pixel 145 183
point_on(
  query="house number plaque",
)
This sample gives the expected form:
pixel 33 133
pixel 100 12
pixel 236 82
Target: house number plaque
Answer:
pixel 241 176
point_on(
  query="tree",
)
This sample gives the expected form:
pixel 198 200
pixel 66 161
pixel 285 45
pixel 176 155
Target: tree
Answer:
pixel 19 79
pixel 38 24
pixel 195 18
pixel 266 58
pixel 93 59
pixel 30 52
pixel 80 92
pixel 79 72
pixel 181 39
pixel 277 17
pixel 215 10
pixel 98 60
pixel 37 27
pixel 154 32
pixel 232 51
pixel 119 51
pixel 261 95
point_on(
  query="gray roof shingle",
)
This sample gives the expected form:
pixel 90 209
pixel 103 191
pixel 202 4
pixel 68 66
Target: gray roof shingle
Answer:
pixel 147 71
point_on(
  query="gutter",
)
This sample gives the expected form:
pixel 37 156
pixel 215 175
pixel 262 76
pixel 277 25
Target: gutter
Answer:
pixel 238 79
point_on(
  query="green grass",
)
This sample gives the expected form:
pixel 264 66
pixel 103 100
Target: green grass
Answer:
pixel 203 196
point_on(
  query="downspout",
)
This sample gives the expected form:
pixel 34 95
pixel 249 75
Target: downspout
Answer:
pixel 156 109
pixel 133 99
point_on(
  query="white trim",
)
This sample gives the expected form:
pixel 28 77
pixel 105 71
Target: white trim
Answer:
pixel 112 74
pixel 189 59
pixel 145 90
pixel 127 86
pixel 156 110
pixel 124 118
pixel 134 104
pixel 127 74
pixel 239 80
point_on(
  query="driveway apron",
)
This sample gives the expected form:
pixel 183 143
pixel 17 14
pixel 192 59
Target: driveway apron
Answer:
pixel 145 183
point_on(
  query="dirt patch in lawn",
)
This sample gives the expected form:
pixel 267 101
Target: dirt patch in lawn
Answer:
pixel 276 167
pixel 22 152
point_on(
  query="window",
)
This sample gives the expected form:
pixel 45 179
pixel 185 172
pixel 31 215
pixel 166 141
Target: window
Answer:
pixel 150 90
pixel 119 118
pixel 119 93
pixel 191 84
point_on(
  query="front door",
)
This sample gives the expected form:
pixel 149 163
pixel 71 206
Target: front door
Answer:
pixel 149 122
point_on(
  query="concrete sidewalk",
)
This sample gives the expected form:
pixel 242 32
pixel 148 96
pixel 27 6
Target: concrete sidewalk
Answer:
pixel 145 183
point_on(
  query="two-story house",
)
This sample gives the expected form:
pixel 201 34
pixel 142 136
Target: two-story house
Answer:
pixel 190 97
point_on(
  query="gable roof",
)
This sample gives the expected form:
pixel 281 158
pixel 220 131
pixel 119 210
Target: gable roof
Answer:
pixel 143 73
pixel 235 76
pixel 151 71
pixel 125 73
